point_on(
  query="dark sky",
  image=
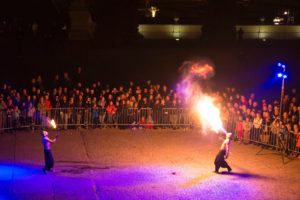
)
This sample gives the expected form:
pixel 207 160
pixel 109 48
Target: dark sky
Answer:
pixel 250 66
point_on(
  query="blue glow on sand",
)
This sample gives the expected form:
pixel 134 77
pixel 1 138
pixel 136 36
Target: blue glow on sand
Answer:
pixel 10 171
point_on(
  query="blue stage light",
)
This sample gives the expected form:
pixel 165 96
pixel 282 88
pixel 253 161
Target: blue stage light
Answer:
pixel 284 76
pixel 279 75
pixel 279 64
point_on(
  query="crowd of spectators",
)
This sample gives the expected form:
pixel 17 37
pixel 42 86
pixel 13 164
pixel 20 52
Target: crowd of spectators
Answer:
pixel 68 98
pixel 261 120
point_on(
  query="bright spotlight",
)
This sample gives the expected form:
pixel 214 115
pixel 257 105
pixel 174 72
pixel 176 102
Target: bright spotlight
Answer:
pixel 279 75
pixel 153 10
pixel 284 76
pixel 281 65
pixel 277 20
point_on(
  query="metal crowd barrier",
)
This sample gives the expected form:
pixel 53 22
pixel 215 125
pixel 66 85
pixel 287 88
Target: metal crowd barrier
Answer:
pixel 270 136
pixel 96 118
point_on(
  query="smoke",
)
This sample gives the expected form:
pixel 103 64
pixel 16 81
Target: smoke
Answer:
pixel 194 73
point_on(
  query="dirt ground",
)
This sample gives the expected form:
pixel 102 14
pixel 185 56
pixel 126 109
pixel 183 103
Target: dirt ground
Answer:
pixel 126 164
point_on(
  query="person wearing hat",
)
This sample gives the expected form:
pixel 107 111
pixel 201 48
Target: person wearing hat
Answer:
pixel 49 161
pixel 223 154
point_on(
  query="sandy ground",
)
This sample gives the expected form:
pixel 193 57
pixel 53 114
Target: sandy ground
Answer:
pixel 126 164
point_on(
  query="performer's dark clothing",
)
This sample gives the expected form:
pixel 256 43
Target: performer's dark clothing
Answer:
pixel 220 161
pixel 49 161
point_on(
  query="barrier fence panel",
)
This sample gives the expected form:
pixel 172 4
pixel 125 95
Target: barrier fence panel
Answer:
pixel 273 136
pixel 96 117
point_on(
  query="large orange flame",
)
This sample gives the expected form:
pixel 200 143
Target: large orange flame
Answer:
pixel 209 114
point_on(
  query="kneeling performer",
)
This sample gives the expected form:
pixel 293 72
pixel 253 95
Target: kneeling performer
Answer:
pixel 223 154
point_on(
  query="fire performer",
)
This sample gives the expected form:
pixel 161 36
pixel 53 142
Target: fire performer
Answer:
pixel 49 161
pixel 223 154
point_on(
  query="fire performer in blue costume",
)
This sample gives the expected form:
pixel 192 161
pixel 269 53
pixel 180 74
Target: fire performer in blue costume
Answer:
pixel 223 154
pixel 49 161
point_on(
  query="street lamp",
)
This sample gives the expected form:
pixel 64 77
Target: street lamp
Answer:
pixel 283 76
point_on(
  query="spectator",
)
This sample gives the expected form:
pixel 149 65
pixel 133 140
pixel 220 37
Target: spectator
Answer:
pixel 78 109
pixel 247 125
pixel 294 139
pixel 275 132
pixel 173 111
pixel 16 118
pixel 87 112
pixel 239 129
pixel 257 124
pixel 66 80
pixel 297 133
pixel 102 113
pixel 95 115
pixel 78 75
pixel 265 136
pixel 111 112
pixel 3 115
pixel 30 115
pixel 142 123
pixel 47 105
pixel 64 112
pixel 10 110
pixel 149 122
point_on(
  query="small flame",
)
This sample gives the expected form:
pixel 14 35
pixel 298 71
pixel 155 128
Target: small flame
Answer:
pixel 209 114
pixel 53 124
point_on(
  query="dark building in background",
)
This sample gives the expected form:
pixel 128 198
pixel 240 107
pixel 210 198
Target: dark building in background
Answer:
pixel 219 21
pixel 52 36
pixel 116 21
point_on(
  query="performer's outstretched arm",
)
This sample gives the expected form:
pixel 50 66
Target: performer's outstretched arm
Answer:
pixel 51 141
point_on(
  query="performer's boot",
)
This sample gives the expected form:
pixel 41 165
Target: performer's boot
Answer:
pixel 229 169
pixel 217 169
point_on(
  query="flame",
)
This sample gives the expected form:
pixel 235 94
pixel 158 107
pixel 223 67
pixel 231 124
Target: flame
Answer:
pixel 204 71
pixel 53 124
pixel 200 103
pixel 209 114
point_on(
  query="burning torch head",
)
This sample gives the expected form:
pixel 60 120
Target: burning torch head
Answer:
pixel 53 124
